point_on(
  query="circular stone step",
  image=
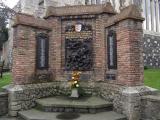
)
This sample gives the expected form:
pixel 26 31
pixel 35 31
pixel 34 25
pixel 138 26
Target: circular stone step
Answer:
pixel 82 105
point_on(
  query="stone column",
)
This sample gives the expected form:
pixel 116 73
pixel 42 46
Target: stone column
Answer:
pixel 147 16
pixel 144 13
pixel 157 17
pixel 152 15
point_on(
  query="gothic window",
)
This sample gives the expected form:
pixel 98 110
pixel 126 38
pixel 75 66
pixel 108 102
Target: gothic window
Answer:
pixel 112 50
pixel 42 51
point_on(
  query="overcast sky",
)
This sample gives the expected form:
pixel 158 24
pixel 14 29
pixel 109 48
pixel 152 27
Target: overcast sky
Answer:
pixel 10 3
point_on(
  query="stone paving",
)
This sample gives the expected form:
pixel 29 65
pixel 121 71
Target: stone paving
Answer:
pixel 7 118
pixel 39 115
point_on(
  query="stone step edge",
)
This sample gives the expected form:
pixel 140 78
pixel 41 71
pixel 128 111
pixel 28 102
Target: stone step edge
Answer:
pixel 74 109
pixel 75 106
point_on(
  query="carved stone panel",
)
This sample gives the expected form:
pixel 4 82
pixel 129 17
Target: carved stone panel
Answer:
pixel 78 54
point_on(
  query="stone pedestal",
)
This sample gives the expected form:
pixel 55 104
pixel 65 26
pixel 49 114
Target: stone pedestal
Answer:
pixel 74 93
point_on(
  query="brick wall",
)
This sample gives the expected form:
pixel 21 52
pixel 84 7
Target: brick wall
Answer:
pixel 128 27
pixel 151 53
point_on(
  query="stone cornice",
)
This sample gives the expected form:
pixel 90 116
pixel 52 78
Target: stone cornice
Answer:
pixel 79 10
pixel 29 20
pixel 130 12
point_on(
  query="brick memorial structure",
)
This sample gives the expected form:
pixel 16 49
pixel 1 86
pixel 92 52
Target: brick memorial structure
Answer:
pixel 105 46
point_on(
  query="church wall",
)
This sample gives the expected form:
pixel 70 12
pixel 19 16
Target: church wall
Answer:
pixel 151 50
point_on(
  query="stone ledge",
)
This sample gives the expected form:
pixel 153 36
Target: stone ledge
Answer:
pixel 84 102
pixel 65 104
pixel 142 90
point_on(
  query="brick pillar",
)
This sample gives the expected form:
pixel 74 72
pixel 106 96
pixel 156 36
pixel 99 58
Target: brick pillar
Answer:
pixel 24 47
pixel 129 50
pixel 24 52
pixel 99 50
pixel 56 48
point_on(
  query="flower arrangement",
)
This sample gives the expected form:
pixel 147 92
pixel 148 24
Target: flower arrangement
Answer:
pixel 75 84
pixel 75 79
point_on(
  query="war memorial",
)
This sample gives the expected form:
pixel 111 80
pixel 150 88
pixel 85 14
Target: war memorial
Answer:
pixel 86 52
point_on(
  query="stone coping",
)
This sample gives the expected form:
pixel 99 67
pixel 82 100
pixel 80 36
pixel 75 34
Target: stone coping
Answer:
pixel 79 10
pixel 130 12
pixel 149 32
pixel 153 98
pixel 139 90
pixel 3 94
pixel 29 20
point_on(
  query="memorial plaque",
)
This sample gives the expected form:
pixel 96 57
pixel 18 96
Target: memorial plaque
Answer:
pixel 78 54
pixel 78 27
pixel 112 50
pixel 42 51
pixel 111 77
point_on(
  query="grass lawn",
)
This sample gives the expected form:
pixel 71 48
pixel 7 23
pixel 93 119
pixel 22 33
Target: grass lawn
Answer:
pixel 151 78
pixel 5 80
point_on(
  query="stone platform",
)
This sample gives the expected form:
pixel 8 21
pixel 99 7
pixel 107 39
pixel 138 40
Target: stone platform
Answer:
pixel 39 115
pixel 64 108
pixel 82 105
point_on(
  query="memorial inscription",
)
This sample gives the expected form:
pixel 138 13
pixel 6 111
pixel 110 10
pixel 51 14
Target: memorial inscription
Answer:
pixel 42 51
pixel 112 50
pixel 78 47
pixel 72 28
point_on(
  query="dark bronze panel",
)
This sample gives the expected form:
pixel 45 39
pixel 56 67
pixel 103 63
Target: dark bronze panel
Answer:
pixel 78 54
pixel 112 50
pixel 42 51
